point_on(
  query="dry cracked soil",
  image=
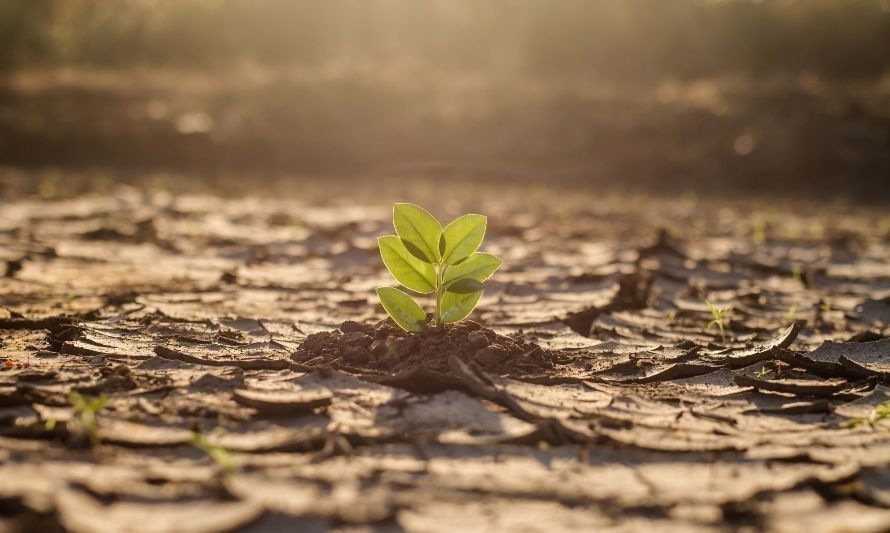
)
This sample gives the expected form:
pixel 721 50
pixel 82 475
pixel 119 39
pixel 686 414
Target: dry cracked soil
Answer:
pixel 252 383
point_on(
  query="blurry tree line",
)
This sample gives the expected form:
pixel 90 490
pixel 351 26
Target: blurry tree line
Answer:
pixel 614 38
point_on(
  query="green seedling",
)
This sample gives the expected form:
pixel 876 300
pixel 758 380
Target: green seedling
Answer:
pixel 429 259
pixel 879 413
pixel 758 233
pixel 86 409
pixel 796 273
pixel 221 456
pixel 789 316
pixel 762 372
pixel 718 316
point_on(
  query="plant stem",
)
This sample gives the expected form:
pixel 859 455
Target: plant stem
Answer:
pixel 438 320
pixel 440 277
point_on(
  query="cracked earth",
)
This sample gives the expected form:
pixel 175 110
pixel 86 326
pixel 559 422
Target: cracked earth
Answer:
pixel 586 393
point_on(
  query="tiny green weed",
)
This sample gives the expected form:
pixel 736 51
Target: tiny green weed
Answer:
pixel 221 456
pixel 789 316
pixel 758 233
pixel 796 273
pixel 429 259
pixel 86 409
pixel 718 316
pixel 879 413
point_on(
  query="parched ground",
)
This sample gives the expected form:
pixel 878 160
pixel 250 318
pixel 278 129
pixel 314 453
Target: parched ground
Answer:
pixel 596 399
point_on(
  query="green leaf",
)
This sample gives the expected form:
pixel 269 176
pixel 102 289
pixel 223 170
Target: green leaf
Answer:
pixel 456 306
pixel 407 269
pixel 462 237
pixel 465 286
pixel 420 231
pixel 404 310
pixel 479 266
pixel 414 250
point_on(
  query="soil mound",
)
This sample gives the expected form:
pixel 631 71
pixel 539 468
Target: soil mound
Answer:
pixel 384 347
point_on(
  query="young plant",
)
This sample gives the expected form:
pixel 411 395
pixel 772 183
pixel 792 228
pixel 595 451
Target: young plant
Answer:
pixel 85 410
pixel 429 259
pixel 718 316
pixel 789 316
pixel 879 413
pixel 758 233
pixel 796 273
pixel 216 452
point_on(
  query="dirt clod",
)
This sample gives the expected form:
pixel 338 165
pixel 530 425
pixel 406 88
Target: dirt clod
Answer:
pixel 385 348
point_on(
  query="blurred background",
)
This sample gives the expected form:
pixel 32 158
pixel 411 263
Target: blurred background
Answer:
pixel 704 96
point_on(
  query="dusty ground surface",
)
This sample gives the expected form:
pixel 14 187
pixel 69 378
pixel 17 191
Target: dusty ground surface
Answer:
pixel 190 313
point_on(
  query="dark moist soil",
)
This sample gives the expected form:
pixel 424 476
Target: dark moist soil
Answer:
pixel 385 348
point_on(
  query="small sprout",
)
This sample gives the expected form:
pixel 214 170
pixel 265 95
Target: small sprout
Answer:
pixel 796 273
pixel 762 372
pixel 817 229
pixel 879 413
pixel 86 408
pixel 48 188
pixel 789 316
pixel 221 456
pixel 429 259
pixel 718 318
pixel 884 226
pixel 759 233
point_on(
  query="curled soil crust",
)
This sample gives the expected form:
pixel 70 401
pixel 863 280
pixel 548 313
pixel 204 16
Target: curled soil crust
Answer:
pixel 384 347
